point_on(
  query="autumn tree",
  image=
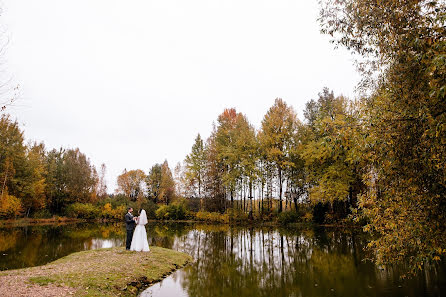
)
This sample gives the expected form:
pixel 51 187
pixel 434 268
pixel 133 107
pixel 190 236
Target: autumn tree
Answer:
pixel 247 149
pixel 33 191
pixel 297 173
pixel 332 165
pixel 54 177
pixel 275 137
pixel 195 163
pixel 12 159
pixel 213 186
pixel 153 182
pixel 167 185
pixel 183 186
pixel 101 186
pixel 132 183
pixel 404 141
pixel 226 149
pixel 69 177
pixel 78 177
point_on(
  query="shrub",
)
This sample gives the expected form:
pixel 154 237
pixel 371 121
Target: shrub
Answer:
pixel 10 206
pixel 109 213
pixel 119 212
pixel 288 217
pixel 42 214
pixel 212 217
pixel 236 215
pixel 150 207
pixel 83 211
pixel 308 217
pixel 319 212
pixel 171 212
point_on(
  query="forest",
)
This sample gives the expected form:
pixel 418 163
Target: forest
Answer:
pixel 377 161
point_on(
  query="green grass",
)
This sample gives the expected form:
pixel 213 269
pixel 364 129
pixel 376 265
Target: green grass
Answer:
pixel 106 272
pixel 41 280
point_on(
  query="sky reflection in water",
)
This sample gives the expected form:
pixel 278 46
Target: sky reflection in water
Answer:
pixel 235 261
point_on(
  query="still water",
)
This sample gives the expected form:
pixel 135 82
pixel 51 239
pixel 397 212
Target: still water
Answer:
pixel 235 261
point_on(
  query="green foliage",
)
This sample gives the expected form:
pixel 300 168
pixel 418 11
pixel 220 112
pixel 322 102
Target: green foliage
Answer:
pixel 276 140
pixel 171 212
pixel 403 143
pixel 42 214
pixel 331 161
pixel 160 183
pixel 21 168
pixel 212 217
pixel 69 178
pixel 150 207
pixel 84 211
pixel 288 217
pixel 195 165
pixel 153 182
pixel 236 215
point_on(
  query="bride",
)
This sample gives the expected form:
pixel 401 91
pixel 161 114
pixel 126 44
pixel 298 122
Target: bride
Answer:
pixel 139 240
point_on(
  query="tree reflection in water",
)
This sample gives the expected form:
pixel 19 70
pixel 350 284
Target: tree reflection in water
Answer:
pixel 37 245
pixel 285 262
pixel 235 261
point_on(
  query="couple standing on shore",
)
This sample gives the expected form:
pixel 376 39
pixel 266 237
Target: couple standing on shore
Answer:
pixel 136 237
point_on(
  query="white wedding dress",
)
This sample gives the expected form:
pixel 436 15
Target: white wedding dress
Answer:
pixel 139 240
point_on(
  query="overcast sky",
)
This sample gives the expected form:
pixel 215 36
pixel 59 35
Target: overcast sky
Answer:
pixel 132 82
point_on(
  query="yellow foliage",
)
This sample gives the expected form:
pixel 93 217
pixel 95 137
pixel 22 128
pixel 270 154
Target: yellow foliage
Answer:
pixel 110 213
pixel 308 217
pixel 10 206
pixel 212 217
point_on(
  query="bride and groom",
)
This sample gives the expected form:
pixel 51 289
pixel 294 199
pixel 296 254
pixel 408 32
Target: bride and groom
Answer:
pixel 136 237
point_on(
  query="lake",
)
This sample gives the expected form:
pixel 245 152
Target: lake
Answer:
pixel 236 261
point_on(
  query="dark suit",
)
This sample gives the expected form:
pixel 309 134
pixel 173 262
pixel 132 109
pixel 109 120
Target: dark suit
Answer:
pixel 129 226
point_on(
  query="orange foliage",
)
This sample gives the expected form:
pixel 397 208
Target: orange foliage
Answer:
pixel 10 206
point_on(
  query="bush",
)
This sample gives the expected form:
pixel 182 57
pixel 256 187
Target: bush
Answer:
pixel 42 214
pixel 83 211
pixel 214 217
pixel 150 207
pixel 236 215
pixel 119 212
pixel 109 213
pixel 171 212
pixel 10 206
pixel 288 217
pixel 319 212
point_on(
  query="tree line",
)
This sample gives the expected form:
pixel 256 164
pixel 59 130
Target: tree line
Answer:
pixel 284 164
pixel 36 181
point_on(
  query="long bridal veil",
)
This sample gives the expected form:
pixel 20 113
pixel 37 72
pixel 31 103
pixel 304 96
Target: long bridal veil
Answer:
pixel 139 241
pixel 142 218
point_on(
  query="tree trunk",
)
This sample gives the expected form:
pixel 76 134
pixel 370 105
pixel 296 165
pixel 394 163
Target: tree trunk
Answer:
pixel 295 201
pixel 250 199
pixel 280 190
pixel 261 197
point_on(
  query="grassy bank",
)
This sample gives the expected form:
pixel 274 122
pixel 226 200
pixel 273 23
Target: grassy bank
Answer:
pixel 103 272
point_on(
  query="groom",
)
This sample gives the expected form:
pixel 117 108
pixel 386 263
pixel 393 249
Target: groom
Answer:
pixel 129 226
